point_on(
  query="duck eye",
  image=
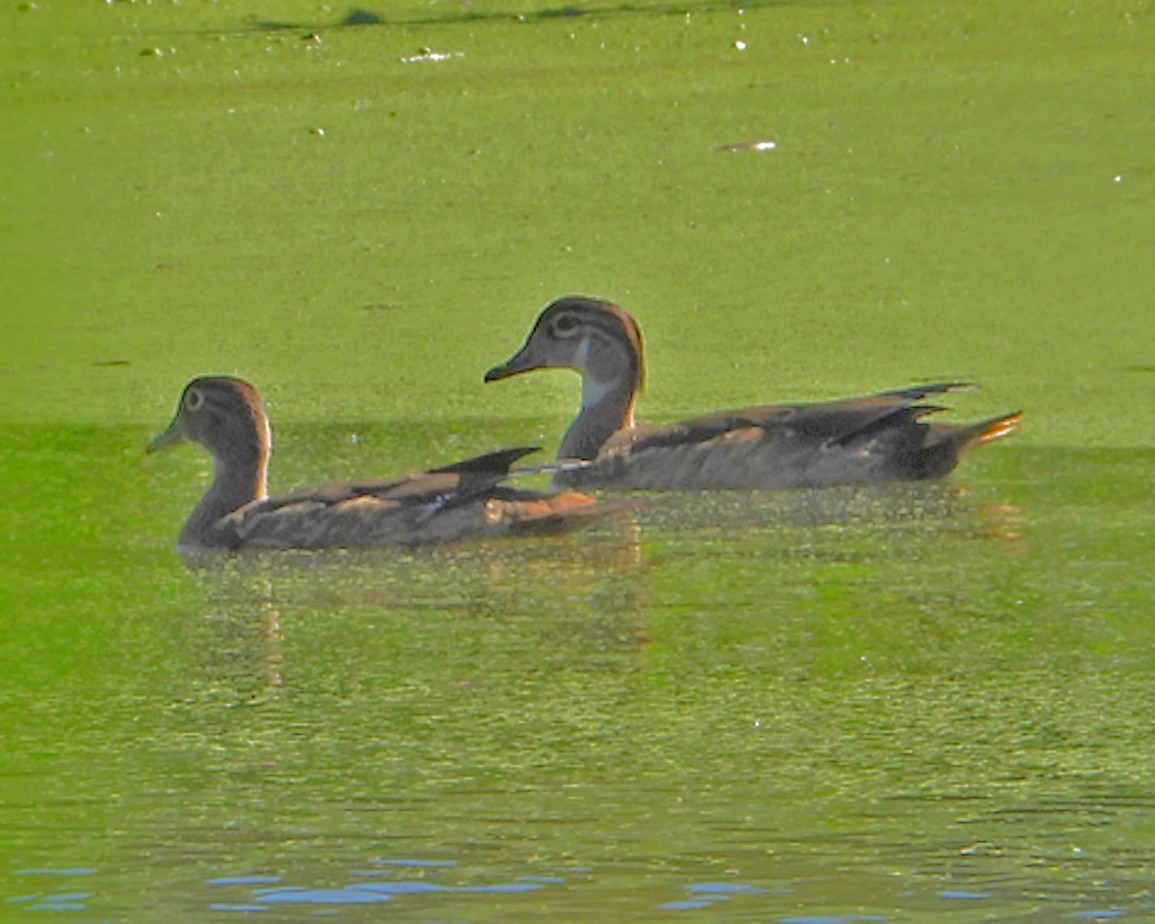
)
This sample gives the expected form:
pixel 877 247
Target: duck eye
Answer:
pixel 194 400
pixel 565 324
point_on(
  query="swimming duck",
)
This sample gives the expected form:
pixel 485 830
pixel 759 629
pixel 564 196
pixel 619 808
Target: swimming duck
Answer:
pixel 462 501
pixel 866 440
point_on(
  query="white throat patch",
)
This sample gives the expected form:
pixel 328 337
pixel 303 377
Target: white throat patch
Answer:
pixel 593 393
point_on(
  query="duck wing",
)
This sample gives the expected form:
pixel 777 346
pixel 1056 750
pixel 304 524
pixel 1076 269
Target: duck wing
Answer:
pixel 864 440
pixel 534 513
pixel 457 502
pixel 827 422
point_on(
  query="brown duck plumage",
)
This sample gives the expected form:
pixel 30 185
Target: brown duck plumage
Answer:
pixel 462 501
pixel 867 440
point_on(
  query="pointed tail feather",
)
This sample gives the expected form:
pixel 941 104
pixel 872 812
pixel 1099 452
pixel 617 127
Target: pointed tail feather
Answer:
pixel 497 462
pixel 996 428
pixel 946 442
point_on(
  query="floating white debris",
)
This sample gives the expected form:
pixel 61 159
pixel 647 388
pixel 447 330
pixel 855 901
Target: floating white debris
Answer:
pixel 427 54
pixel 749 146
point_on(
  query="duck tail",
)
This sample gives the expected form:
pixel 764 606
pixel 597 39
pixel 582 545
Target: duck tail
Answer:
pixel 996 428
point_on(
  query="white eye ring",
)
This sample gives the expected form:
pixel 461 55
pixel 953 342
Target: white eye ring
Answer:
pixel 194 400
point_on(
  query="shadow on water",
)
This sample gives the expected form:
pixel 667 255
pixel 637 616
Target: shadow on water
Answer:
pixel 358 18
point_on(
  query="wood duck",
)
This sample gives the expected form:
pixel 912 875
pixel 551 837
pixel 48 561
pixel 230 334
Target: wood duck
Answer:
pixel 878 438
pixel 462 501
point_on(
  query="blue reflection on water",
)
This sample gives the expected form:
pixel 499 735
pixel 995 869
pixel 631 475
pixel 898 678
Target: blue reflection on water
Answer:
pixel 400 888
pixel 61 901
pixel 353 896
pixel 687 905
pixel 706 894
pixel 364 893
pixel 78 871
pixel 727 888
pixel 49 905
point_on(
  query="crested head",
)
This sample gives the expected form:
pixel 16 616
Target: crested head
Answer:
pixel 599 323
pixel 597 338
pixel 225 416
pixel 603 343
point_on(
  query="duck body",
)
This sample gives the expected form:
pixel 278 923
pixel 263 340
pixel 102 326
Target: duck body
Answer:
pixel 460 502
pixel 868 440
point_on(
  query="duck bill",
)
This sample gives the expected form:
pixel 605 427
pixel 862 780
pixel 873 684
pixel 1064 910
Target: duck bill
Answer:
pixel 517 364
pixel 172 435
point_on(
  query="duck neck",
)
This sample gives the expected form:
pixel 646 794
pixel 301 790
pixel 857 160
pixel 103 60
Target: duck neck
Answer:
pixel 237 480
pixel 607 407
